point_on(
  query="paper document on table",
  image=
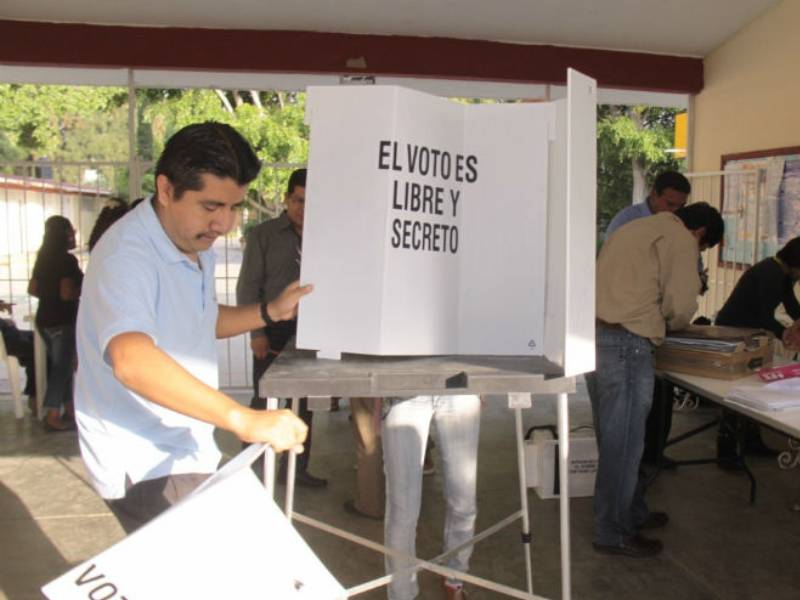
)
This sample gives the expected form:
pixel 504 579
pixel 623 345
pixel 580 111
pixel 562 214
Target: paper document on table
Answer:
pixel 778 395
pixel 702 344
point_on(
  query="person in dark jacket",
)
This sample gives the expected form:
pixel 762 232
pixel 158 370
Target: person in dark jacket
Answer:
pixel 761 289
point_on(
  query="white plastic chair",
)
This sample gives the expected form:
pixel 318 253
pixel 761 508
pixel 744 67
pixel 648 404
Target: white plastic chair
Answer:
pixel 12 366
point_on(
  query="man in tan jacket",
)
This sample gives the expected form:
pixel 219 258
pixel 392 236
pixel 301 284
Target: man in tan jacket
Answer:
pixel 647 284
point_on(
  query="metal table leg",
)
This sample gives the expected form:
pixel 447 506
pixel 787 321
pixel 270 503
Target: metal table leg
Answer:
pixel 563 490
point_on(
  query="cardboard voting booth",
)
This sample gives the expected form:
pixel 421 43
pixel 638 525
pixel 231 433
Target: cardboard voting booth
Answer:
pixel 227 540
pixel 436 227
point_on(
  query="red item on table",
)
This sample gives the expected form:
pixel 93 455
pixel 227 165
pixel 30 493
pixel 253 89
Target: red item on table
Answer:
pixel 777 373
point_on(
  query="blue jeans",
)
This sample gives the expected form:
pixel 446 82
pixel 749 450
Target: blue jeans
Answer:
pixel 405 434
pixel 61 356
pixel 621 391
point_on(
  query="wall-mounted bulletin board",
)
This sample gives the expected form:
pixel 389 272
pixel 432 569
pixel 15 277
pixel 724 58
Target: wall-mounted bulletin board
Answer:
pixel 760 203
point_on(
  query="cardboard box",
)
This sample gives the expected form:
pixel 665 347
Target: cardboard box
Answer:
pixel 716 352
pixel 541 460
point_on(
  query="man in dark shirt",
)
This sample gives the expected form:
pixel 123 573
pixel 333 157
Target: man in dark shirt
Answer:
pixel 271 261
pixel 761 289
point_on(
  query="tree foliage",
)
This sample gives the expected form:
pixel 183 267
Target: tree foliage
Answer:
pixel 632 141
pixel 273 122
pixel 81 123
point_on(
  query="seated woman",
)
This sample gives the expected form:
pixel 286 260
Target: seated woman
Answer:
pixel 57 282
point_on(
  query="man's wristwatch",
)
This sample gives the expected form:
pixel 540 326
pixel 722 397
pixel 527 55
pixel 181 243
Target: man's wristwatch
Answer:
pixel 265 315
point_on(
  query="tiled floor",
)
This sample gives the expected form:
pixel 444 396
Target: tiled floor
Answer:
pixel 717 546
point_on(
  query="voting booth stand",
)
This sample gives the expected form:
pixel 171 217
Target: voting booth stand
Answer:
pixel 452 248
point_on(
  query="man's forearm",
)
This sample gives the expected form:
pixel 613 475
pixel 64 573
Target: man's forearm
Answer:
pixel 151 373
pixel 235 320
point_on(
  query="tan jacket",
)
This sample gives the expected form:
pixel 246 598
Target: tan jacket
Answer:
pixel 647 278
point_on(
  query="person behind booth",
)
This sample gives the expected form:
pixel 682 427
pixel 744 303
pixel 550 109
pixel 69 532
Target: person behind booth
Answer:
pixel 56 280
pixel 647 284
pixel 271 260
pixel 752 303
pixel 146 391
pixel 405 431
pixel 669 193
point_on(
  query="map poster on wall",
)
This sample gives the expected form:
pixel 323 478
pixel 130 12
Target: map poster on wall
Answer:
pixel 760 203
pixel 425 224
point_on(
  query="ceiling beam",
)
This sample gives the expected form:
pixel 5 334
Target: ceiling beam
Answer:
pixel 171 48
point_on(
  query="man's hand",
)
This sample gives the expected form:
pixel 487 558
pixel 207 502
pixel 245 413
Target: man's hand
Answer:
pixel 284 307
pixel 260 347
pixel 791 336
pixel 281 429
pixel 5 306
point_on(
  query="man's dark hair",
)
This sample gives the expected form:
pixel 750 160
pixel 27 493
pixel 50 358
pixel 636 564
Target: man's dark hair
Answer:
pixel 674 180
pixel 296 179
pixel 702 214
pixel 790 253
pixel 214 148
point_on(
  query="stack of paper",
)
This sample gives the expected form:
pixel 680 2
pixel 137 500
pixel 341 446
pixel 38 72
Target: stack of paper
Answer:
pixel 702 344
pixel 773 396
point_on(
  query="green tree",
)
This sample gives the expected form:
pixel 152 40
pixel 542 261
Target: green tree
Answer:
pixel 273 122
pixel 632 144
pixel 41 120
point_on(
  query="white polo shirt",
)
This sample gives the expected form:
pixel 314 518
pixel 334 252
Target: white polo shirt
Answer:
pixel 138 281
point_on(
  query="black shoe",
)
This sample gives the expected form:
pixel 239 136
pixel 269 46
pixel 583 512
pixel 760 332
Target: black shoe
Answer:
pixel 351 508
pixel 635 547
pixel 306 479
pixel 654 520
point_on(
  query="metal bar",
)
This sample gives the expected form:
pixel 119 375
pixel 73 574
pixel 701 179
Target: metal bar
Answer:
pixel 692 432
pixel 134 186
pixel 269 457
pixel 445 555
pixel 290 470
pixel 523 498
pixel 423 564
pixel 563 489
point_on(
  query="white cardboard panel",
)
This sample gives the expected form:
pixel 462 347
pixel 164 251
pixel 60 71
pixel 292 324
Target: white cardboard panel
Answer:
pixel 227 540
pixel 507 269
pixel 363 143
pixel 420 287
pixel 344 228
pixel 556 289
pixel 579 355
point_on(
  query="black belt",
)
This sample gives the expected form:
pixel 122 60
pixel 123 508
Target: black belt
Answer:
pixel 608 325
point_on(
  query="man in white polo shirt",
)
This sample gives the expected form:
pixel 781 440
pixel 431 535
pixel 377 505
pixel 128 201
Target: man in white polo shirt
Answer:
pixel 146 394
